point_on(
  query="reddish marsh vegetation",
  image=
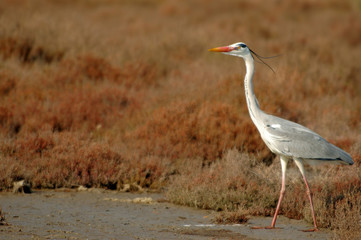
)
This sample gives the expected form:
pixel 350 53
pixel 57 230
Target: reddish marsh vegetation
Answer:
pixel 108 93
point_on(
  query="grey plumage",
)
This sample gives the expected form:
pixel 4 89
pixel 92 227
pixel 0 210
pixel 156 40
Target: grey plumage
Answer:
pixel 290 139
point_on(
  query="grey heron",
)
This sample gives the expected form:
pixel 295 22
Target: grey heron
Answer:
pixel 289 140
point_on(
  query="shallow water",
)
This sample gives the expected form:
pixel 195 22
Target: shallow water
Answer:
pixel 100 214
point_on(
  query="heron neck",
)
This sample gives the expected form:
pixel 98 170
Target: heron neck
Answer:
pixel 252 102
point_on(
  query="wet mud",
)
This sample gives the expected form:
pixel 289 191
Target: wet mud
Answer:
pixel 100 214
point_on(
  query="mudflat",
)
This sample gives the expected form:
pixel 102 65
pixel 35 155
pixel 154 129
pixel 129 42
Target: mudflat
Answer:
pixel 101 214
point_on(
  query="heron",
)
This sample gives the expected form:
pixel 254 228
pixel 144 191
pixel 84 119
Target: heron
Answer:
pixel 287 139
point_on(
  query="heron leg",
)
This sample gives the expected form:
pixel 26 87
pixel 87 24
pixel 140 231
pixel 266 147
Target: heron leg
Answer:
pixel 309 194
pixel 284 162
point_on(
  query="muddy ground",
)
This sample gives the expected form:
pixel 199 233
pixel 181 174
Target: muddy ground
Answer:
pixel 100 214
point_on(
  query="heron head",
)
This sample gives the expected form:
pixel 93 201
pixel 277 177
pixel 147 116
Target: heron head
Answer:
pixel 239 49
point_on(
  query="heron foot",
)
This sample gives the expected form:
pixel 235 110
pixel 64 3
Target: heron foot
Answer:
pixel 311 230
pixel 268 227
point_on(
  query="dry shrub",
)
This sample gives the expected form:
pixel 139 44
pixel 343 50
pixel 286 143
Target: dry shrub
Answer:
pixel 231 217
pixel 75 72
pixel 140 74
pixel 191 129
pixel 60 160
pixel 229 184
pixel 63 159
pixel 8 123
pixel 147 172
pixel 133 74
pixel 347 217
pixel 96 165
pixel 31 108
pixel 90 108
pixel 34 144
pixel 350 31
pixel 11 171
pixel 84 68
pixel 337 195
pixel 26 51
pixel 7 83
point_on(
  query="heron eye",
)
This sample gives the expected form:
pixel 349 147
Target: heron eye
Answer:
pixel 242 45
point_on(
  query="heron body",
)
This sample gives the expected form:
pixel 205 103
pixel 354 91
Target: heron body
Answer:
pixel 289 140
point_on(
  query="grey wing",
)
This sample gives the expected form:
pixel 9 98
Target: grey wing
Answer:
pixel 296 141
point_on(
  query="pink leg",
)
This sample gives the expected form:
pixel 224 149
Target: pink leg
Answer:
pixel 309 194
pixel 299 164
pixel 282 193
pixel 284 162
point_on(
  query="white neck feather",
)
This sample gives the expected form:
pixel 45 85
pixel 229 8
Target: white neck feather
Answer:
pixel 254 110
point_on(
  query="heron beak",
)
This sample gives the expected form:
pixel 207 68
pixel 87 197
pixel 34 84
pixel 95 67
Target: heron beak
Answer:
pixel 221 49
